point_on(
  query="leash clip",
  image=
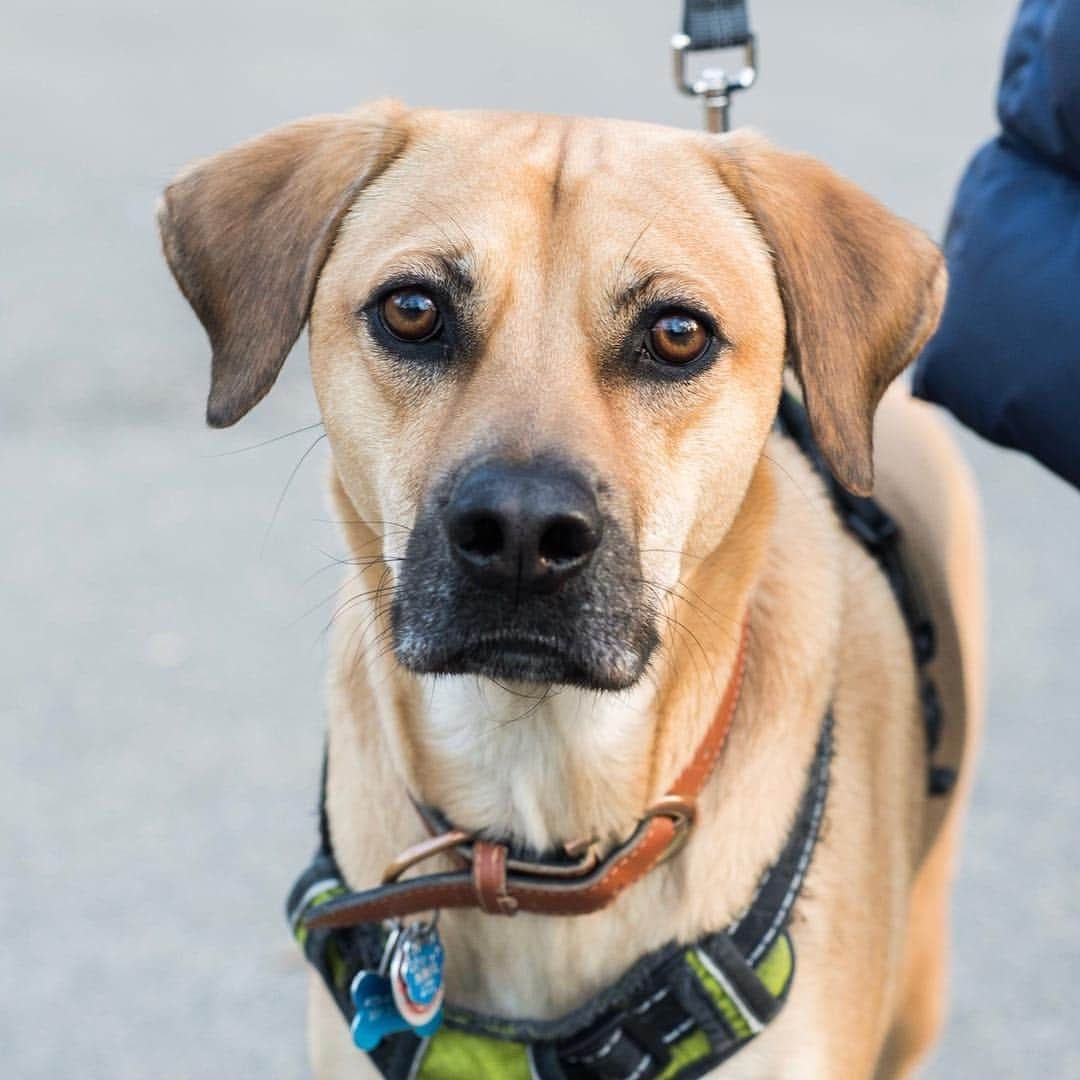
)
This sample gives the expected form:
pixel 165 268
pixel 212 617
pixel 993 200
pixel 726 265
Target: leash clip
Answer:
pixel 713 85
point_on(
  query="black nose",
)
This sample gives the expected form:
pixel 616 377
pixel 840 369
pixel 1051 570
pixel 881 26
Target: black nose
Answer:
pixel 522 528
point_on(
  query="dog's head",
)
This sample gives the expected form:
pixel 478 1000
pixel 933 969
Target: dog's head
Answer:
pixel 551 349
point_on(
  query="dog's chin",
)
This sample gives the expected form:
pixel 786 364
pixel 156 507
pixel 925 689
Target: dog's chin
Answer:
pixel 522 660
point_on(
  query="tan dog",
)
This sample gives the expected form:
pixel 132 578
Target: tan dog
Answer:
pixel 548 354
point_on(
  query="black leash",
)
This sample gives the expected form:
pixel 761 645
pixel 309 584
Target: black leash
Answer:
pixel 716 24
pixel 710 25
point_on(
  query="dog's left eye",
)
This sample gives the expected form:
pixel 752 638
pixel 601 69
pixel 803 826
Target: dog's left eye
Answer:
pixel 678 338
pixel 410 315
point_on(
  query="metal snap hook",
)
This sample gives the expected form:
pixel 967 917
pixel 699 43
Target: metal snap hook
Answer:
pixel 713 84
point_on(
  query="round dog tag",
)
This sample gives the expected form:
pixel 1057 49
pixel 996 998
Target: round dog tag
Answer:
pixel 416 974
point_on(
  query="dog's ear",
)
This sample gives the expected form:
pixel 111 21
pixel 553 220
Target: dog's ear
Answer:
pixel 246 234
pixel 861 290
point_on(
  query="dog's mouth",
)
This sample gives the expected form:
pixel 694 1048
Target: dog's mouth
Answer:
pixel 590 657
pixel 518 658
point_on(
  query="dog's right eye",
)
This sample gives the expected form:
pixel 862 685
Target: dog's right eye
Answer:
pixel 410 315
pixel 678 338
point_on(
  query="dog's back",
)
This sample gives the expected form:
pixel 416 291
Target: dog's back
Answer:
pixel 924 482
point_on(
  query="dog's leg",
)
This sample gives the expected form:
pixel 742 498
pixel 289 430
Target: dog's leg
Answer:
pixel 921 1008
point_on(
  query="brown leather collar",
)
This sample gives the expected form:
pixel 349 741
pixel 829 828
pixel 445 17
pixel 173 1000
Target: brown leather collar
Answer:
pixel 493 881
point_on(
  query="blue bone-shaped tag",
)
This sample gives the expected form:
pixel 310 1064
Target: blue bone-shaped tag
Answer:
pixel 376 1015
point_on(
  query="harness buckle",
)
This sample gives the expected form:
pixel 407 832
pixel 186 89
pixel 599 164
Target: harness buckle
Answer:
pixel 713 84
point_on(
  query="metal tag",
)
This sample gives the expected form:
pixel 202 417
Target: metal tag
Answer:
pixel 416 974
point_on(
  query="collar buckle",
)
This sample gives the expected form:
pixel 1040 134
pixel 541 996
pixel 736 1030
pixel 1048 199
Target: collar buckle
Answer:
pixel 682 811
pixel 426 849
pixel 586 854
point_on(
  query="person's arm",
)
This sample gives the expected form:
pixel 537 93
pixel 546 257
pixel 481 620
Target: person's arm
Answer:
pixel 1006 358
pixel 1039 96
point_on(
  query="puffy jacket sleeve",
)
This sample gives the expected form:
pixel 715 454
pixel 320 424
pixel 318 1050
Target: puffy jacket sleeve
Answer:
pixel 1006 358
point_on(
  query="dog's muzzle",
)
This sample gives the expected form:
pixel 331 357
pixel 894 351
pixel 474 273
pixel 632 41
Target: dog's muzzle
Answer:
pixel 514 571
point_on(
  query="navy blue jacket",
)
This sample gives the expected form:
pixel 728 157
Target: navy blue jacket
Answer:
pixel 1006 359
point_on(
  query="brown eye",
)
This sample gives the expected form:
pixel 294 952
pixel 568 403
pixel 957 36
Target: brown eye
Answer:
pixel 678 338
pixel 410 314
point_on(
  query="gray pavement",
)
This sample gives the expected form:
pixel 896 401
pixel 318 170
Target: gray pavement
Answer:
pixel 160 710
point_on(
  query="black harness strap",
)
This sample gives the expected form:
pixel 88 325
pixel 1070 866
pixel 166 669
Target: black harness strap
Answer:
pixel 879 534
pixel 716 24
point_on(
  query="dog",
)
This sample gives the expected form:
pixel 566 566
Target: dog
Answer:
pixel 548 354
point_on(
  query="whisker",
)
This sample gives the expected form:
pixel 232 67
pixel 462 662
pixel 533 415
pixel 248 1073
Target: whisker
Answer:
pixel 285 491
pixel 718 619
pixel 361 521
pixel 675 551
pixel 795 483
pixel 265 442
pixel 680 627
pixel 326 599
pixel 353 601
pixel 637 239
pixel 379 611
pixel 529 713
pixel 333 561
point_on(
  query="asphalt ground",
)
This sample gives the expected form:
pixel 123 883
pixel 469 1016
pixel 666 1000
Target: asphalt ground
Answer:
pixel 160 705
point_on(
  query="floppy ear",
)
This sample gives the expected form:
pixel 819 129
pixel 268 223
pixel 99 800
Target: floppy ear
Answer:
pixel 246 233
pixel 861 289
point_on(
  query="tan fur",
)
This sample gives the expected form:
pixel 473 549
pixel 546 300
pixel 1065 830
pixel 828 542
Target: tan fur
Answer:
pixel 552 217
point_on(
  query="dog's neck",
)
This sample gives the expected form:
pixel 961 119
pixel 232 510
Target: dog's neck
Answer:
pixel 538 767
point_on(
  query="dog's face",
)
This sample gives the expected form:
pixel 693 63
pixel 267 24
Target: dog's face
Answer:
pixel 551 369
pixel 548 352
